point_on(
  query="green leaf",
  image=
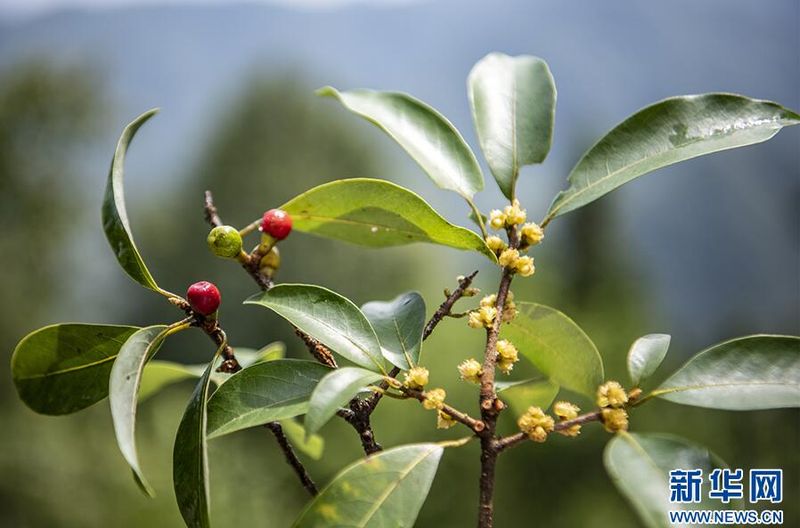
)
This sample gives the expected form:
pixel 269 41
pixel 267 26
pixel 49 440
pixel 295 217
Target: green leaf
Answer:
pixel 190 455
pixel 513 102
pixel 645 355
pixel 386 489
pixel 639 465
pixel 313 446
pixel 672 130
pixel 753 372
pixel 398 324
pixel 123 388
pixel 64 368
pixel 158 375
pixel 526 393
pixel 557 347
pixel 115 217
pixel 264 392
pixel 328 317
pixel 424 133
pixel 333 392
pixel 376 213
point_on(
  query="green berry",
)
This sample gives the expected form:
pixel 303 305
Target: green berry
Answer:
pixel 225 242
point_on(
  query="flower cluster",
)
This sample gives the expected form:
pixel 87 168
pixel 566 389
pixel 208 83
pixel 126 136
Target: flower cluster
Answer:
pixel 434 399
pixel 470 370
pixel 416 378
pixel 530 234
pixel 567 411
pixel 536 424
pixel 611 398
pixel 520 264
pixel 485 315
pixel 444 420
pixel 507 355
pixel 611 394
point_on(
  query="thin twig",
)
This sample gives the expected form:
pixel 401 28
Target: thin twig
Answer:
pixel 211 327
pixel 358 415
pixel 515 439
pixel 291 457
pixel 477 426
pixel 436 318
pixel 447 305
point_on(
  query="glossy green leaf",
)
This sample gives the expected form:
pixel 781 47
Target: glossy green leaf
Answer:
pixel 526 393
pixel 333 392
pixel 398 324
pixel 312 446
pixel 64 368
pixel 328 317
pixel 123 389
pixel 264 392
pixel 639 465
pixel 158 375
pixel 754 372
pixel 115 217
pixel 386 489
pixel 556 346
pixel 513 102
pixel 376 213
pixel 424 133
pixel 672 130
pixel 190 456
pixel 645 355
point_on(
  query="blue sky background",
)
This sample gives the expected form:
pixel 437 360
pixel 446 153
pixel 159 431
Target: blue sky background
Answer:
pixel 718 236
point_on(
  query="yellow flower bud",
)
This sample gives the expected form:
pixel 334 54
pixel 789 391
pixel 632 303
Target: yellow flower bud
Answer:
pixel 524 266
pixel 505 366
pixel 566 410
pixel 434 399
pixel 444 420
pixel 611 394
pixel 489 300
pixel 532 234
pixel 614 420
pixel 506 350
pixel 508 257
pixel 475 320
pixel 536 424
pixel 488 313
pixel 416 378
pixel 496 244
pixel 514 214
pixel 470 370
pixel 497 220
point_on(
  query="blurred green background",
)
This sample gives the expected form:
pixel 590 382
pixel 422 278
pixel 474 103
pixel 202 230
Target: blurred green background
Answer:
pixel 704 251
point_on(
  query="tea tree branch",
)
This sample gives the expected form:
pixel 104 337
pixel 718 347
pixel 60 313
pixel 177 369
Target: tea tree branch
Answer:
pixel 358 413
pixel 444 309
pixel 292 459
pixel 518 438
pixel 488 398
pixel 477 426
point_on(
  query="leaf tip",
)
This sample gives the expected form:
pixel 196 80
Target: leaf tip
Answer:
pixel 326 91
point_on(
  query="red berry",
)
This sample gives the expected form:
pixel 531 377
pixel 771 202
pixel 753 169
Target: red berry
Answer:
pixel 277 223
pixel 203 297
